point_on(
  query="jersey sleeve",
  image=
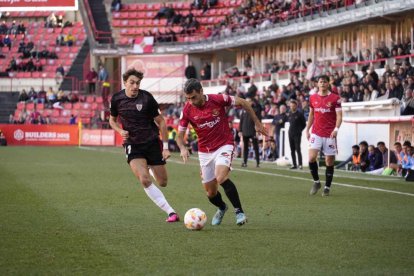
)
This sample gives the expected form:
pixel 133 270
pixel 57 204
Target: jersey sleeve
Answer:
pixel 183 124
pixel 154 108
pixel 338 106
pixel 311 102
pixel 113 108
pixel 226 100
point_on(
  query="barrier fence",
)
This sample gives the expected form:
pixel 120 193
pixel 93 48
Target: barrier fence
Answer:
pixel 59 135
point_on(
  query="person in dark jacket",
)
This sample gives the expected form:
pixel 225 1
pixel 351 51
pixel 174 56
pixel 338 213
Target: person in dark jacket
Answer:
pixel 363 156
pixel 277 124
pixel 247 131
pixel 190 71
pixel 297 123
pixel 375 158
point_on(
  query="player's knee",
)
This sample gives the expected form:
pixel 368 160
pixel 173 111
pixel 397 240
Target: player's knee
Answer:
pixel 145 181
pixel 221 179
pixel 163 181
pixel 211 193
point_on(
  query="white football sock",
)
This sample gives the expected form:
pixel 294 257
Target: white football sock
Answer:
pixel 159 199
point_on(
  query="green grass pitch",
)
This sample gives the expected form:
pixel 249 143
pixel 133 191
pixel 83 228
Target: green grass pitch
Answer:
pixel 68 210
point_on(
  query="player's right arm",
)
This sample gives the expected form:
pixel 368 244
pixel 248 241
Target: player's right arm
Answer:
pixel 310 122
pixel 180 143
pixel 113 122
pixel 182 127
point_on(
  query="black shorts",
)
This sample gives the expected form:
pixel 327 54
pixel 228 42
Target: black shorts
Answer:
pixel 150 151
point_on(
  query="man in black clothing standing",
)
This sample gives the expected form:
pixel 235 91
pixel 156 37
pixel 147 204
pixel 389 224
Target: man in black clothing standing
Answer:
pixel 248 131
pixel 142 123
pixel 190 71
pixel 278 123
pixel 297 123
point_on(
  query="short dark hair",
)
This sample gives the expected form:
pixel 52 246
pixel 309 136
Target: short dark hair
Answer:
pixel 364 143
pixel 380 143
pixel 355 147
pixel 324 77
pixel 397 144
pixel 407 143
pixel 132 72
pixel 191 85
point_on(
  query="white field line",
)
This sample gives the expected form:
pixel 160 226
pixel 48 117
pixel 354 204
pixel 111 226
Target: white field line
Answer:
pixel 279 175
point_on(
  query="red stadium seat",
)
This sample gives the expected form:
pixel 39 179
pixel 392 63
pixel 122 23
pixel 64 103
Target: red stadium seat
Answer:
pixel 90 99
pixel 40 106
pixel 21 105
pixel 67 105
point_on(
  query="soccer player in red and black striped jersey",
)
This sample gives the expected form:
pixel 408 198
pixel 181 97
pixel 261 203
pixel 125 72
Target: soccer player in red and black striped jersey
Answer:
pixel 207 115
pixel 325 118
pixel 142 122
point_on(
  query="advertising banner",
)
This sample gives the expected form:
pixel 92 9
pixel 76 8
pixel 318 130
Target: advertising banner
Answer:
pixel 41 135
pixel 38 5
pixel 98 137
pixel 157 66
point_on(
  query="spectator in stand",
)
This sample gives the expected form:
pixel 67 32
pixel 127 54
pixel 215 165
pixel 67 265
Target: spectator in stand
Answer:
pixel 7 42
pixel 12 65
pixel 60 72
pixel 398 90
pixel 313 69
pixel 51 95
pixel 407 103
pixel 190 71
pixel 60 40
pixel 116 5
pixel 72 120
pixel 69 39
pixel 103 75
pixel 59 21
pixel 339 54
pixel 350 57
pixel 51 21
pixel 23 96
pixel 91 79
pixel 207 71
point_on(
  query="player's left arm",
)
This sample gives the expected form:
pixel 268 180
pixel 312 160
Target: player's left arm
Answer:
pixel 337 124
pixel 246 106
pixel 159 120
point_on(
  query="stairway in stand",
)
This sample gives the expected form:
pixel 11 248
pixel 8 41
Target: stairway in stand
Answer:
pixel 76 70
pixel 100 18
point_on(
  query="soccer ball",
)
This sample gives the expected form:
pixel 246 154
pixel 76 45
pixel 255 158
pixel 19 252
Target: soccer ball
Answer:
pixel 195 219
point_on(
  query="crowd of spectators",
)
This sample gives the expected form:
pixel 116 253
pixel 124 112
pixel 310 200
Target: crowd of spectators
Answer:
pixel 251 14
pixel 50 99
pixel 31 53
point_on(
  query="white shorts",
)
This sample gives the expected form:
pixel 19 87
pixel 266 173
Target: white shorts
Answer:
pixel 328 145
pixel 209 161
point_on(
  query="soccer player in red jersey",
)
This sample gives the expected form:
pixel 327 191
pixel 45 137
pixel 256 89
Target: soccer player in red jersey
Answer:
pixel 207 115
pixel 325 118
pixel 142 123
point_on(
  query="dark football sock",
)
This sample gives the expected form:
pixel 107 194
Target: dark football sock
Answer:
pixel 313 166
pixel 233 195
pixel 218 201
pixel 329 176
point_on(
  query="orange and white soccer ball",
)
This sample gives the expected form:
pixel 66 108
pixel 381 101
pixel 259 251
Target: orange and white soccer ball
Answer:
pixel 195 219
